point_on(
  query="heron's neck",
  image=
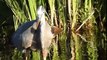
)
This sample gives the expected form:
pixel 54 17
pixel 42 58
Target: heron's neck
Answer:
pixel 42 19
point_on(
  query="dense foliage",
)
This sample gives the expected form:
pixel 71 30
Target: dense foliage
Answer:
pixel 83 23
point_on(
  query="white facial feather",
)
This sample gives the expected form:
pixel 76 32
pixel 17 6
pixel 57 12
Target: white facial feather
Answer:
pixel 41 14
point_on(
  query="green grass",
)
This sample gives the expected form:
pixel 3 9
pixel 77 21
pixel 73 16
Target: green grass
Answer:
pixel 83 23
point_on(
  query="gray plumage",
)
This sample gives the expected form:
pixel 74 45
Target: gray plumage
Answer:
pixel 24 35
pixel 36 34
pixel 27 36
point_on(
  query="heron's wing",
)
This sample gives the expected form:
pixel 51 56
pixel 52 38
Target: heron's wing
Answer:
pixel 36 24
pixel 55 30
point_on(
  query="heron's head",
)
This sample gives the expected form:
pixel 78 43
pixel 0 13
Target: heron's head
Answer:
pixel 41 12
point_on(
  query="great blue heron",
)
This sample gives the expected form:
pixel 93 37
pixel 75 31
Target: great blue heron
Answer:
pixel 35 35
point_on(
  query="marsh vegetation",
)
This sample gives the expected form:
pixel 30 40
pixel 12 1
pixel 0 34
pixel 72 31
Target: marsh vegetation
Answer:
pixel 83 22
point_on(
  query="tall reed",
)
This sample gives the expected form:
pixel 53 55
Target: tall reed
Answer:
pixel 81 20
